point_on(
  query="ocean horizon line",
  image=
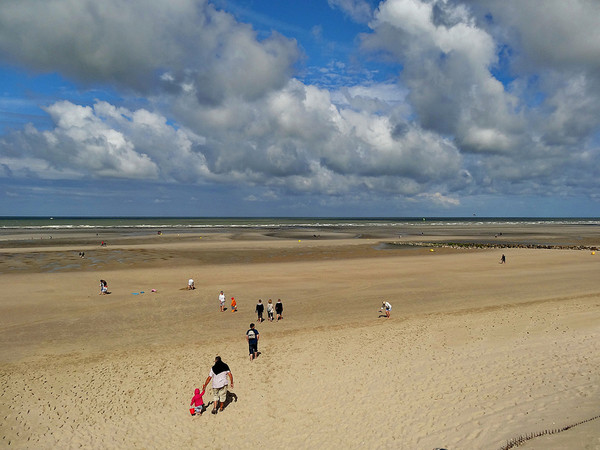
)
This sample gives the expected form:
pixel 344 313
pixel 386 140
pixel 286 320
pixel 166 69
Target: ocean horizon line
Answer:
pixel 137 217
pixel 32 223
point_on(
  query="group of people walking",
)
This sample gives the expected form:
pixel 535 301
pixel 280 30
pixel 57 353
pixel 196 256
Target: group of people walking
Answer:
pixel 222 378
pixel 220 374
pixel 260 309
pixel 272 308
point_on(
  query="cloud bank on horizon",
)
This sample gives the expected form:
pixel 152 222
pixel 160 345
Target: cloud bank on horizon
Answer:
pixel 440 107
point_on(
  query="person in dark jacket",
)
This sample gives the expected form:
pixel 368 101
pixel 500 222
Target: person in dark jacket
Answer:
pixel 260 308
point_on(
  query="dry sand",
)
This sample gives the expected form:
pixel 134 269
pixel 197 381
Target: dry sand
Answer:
pixel 475 353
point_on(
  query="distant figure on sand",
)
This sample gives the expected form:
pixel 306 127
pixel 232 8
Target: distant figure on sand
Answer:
pixel 219 373
pixel 385 306
pixel 222 301
pixel 191 284
pixel 197 401
pixel 233 305
pixel 279 309
pixel 103 287
pixel 259 310
pixel 252 336
pixel 270 310
pixel 503 259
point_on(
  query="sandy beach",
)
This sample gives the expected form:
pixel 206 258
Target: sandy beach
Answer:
pixel 476 353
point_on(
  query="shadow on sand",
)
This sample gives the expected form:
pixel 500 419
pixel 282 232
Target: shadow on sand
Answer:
pixel 231 397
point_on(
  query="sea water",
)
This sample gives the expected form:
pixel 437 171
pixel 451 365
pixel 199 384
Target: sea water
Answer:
pixel 43 224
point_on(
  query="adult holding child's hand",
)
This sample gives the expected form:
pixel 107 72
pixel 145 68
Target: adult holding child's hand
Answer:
pixel 220 375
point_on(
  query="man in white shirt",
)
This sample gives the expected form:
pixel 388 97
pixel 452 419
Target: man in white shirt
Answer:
pixel 191 284
pixel 222 301
pixel 387 307
pixel 219 373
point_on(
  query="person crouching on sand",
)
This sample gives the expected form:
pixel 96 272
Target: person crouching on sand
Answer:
pixel 103 287
pixel 385 306
pixel 198 402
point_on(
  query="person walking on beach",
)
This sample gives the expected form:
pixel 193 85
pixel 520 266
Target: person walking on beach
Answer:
pixel 222 301
pixel 197 401
pixel 270 310
pixel 252 336
pixel 233 305
pixel 220 374
pixel 279 309
pixel 503 259
pixel 259 310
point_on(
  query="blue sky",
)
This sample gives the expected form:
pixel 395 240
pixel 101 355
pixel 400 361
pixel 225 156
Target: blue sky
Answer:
pixel 287 108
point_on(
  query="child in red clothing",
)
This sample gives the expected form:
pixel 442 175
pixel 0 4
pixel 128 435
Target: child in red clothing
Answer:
pixel 197 401
pixel 233 305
